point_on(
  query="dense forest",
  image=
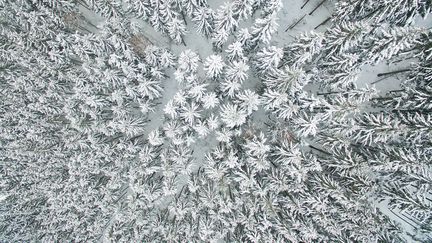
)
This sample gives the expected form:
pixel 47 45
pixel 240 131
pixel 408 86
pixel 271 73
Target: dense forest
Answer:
pixel 215 121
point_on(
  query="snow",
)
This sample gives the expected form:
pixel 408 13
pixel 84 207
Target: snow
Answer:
pixel 368 77
pixel 289 15
pixel 292 12
pixel 210 67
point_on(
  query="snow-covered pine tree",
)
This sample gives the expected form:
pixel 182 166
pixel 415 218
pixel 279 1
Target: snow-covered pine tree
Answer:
pixel 235 51
pixel 263 30
pixel 249 101
pixel 167 18
pixel 214 66
pixel 339 71
pixel 236 72
pixel 267 60
pixel 232 115
pixel 108 9
pixel 390 42
pixel 303 49
pixel 227 19
pixel 225 23
pixel 398 12
pixel 289 80
pixel 139 8
pixel 189 6
pixel 204 18
pixel 344 37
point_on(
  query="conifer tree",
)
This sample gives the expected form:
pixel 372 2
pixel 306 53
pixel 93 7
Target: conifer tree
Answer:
pixel 214 66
